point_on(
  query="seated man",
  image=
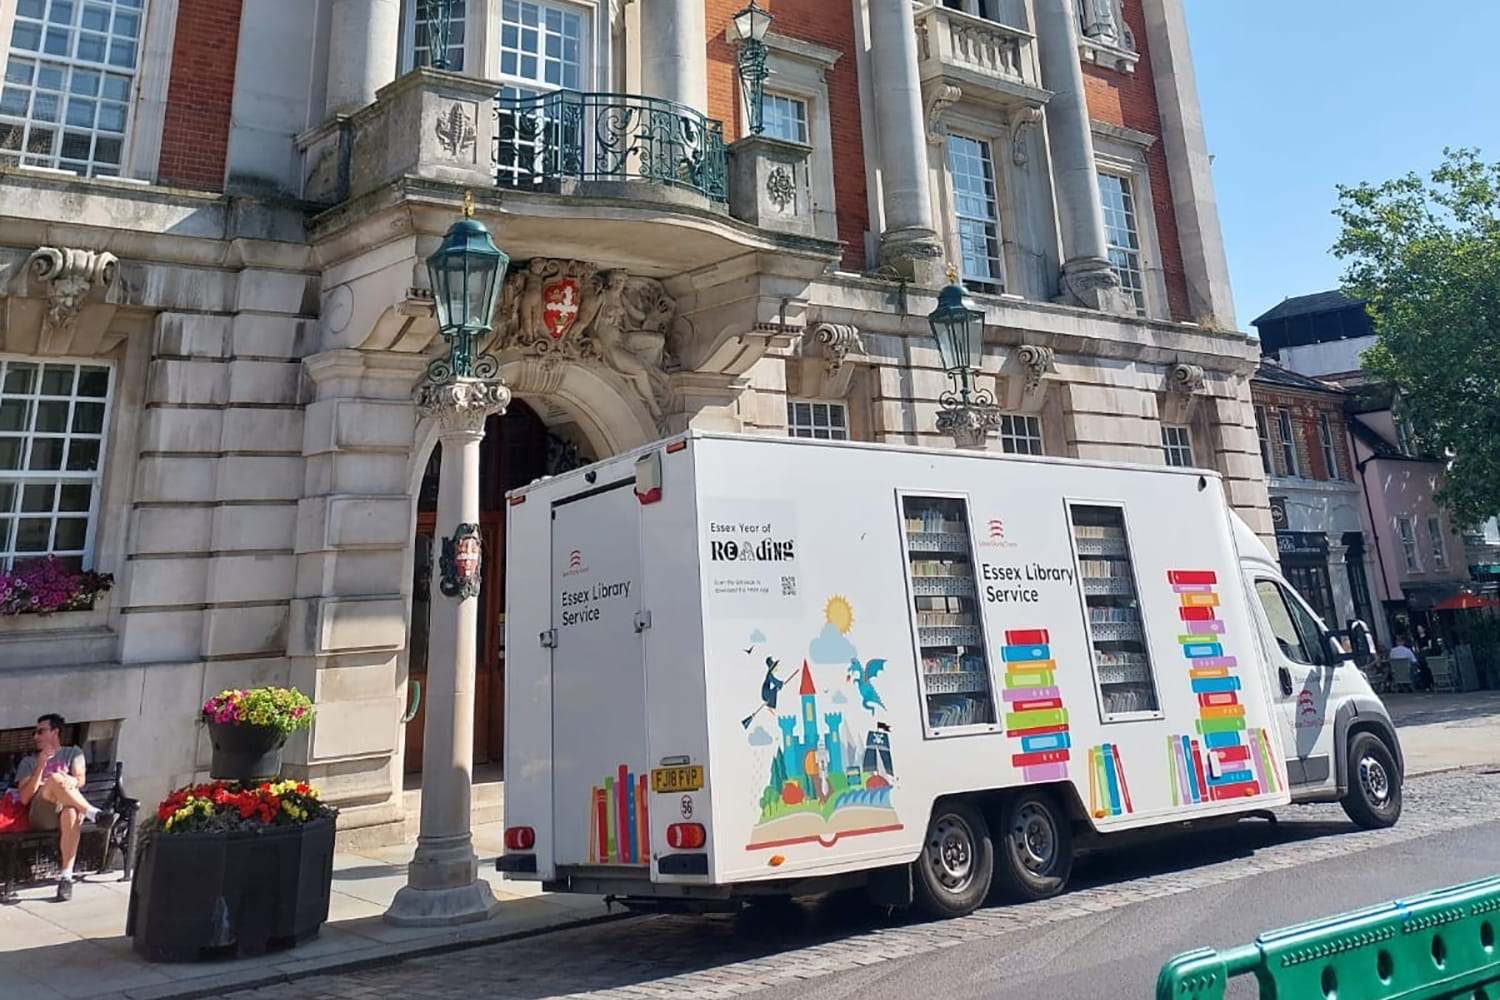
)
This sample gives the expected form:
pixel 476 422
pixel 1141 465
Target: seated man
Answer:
pixel 51 783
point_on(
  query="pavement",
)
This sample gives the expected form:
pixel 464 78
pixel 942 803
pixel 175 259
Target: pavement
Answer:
pixel 78 950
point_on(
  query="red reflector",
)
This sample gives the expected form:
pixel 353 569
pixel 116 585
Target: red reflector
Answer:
pixel 686 836
pixel 520 838
pixel 517 500
pixel 676 446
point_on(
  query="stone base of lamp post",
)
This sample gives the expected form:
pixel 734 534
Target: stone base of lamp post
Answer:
pixel 969 424
pixel 442 882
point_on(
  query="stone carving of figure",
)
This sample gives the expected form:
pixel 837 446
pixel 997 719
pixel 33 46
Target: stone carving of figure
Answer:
pixel 529 301
pixel 612 330
pixel 1100 21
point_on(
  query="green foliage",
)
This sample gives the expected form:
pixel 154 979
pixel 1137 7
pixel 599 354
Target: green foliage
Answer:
pixel 1426 253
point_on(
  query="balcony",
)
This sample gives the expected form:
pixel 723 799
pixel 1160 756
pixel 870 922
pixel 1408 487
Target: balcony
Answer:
pixel 544 143
pixel 992 64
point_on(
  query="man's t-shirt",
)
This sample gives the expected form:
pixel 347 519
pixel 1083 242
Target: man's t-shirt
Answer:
pixel 61 761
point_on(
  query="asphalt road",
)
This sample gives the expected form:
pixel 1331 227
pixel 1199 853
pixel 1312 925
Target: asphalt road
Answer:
pixel 1125 914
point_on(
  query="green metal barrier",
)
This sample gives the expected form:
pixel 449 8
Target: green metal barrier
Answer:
pixel 1437 946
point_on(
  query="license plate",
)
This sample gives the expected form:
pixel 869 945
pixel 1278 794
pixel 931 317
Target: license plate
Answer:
pixel 677 779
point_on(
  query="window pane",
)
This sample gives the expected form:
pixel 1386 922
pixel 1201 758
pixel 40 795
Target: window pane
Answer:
pixel 46 454
pixel 71 534
pixel 33 534
pixel 57 380
pixel 1117 630
pixel 15 414
pixel 1123 237
pixel 88 418
pixel 19 378
pixel 11 450
pixel 93 382
pixel 38 498
pixel 52 417
pixel 83 456
pixel 74 497
pixel 977 210
pixel 1282 625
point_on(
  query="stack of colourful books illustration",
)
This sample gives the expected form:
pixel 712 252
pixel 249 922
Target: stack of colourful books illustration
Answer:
pixel 1035 714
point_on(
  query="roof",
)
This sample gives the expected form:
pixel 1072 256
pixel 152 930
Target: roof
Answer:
pixel 1268 372
pixel 1307 305
pixel 808 687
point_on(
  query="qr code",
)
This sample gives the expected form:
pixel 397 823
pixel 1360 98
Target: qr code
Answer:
pixel 789 586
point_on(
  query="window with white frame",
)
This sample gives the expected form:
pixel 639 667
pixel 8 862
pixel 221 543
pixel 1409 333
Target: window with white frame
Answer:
pixel 808 418
pixel 1021 434
pixel 976 209
pixel 1330 450
pixel 53 420
pixel 1287 441
pixel 421 22
pixel 69 76
pixel 1123 237
pixel 544 47
pixel 1408 532
pixel 1265 440
pixel 1435 539
pixel 785 118
pixel 1177 445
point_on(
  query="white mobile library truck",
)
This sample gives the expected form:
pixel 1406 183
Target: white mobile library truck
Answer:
pixel 750 666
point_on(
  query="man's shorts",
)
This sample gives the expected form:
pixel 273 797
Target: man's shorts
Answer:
pixel 44 814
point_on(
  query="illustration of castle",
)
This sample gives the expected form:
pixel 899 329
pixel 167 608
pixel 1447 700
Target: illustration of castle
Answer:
pixel 812 759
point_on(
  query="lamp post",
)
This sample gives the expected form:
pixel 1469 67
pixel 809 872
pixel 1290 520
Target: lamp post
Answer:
pixel 460 391
pixel 966 412
pixel 751 25
pixel 439 31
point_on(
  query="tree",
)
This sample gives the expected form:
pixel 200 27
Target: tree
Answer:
pixel 1426 253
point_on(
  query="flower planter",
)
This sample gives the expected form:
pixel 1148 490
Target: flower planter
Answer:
pixel 205 895
pixel 244 752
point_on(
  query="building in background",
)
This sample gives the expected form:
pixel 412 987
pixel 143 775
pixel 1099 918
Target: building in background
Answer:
pixel 213 223
pixel 1418 558
pixel 1315 502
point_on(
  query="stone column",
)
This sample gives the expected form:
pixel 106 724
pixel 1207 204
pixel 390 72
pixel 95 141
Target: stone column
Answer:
pixel 364 38
pixel 1087 279
pixel 674 51
pixel 442 883
pixel 909 241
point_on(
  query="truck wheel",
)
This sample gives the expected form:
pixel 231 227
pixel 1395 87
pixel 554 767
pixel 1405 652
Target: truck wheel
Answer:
pixel 953 873
pixel 1374 797
pixel 1035 848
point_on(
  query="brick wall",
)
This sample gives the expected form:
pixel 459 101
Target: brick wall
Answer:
pixel 1304 411
pixel 195 133
pixel 1129 100
pixel 824 22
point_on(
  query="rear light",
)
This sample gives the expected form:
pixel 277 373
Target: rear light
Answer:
pixel 686 836
pixel 520 838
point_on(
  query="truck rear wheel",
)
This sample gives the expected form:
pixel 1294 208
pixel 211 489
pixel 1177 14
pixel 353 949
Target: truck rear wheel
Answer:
pixel 1035 848
pixel 1374 797
pixel 957 862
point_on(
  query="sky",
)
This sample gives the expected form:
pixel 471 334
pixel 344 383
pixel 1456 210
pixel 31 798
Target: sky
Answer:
pixel 1299 96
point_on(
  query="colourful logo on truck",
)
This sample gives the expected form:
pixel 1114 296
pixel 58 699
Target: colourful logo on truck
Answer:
pixel 826 781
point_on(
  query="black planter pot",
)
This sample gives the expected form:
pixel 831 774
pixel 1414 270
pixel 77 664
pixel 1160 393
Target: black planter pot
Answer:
pixel 244 752
pixel 208 895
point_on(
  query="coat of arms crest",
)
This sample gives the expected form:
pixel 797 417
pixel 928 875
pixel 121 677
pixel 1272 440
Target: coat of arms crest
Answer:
pixel 560 304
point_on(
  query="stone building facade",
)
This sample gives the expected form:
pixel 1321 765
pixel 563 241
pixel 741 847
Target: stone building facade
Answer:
pixel 215 308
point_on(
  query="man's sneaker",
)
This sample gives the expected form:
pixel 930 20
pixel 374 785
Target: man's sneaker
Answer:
pixel 64 890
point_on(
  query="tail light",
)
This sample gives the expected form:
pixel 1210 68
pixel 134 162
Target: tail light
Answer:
pixel 686 836
pixel 519 838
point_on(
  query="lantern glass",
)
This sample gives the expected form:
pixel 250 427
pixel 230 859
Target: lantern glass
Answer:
pixel 959 331
pixel 465 273
pixel 752 23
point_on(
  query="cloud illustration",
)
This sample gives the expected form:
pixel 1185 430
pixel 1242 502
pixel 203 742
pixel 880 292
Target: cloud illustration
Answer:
pixel 831 647
pixel 757 636
pixel 761 738
pixel 839 698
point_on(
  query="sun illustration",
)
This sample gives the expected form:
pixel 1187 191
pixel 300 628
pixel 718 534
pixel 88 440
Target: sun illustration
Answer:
pixel 840 615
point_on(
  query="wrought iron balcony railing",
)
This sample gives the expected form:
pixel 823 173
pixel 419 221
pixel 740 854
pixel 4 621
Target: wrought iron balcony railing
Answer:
pixel 568 135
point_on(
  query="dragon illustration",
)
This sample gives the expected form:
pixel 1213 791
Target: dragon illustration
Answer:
pixel 862 677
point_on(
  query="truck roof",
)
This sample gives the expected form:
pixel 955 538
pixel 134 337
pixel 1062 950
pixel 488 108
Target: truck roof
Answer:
pixel 693 434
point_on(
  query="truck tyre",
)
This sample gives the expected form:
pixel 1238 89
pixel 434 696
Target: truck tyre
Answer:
pixel 957 862
pixel 1374 797
pixel 1035 848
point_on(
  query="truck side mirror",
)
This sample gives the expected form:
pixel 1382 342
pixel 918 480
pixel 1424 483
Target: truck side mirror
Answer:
pixel 1363 642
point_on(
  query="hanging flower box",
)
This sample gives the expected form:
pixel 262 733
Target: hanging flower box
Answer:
pixel 45 586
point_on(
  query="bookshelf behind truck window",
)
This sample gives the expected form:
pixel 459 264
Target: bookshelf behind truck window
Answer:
pixel 1122 661
pixel 945 596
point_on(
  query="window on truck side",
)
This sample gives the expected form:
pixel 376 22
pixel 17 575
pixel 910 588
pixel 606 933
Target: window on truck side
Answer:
pixel 1292 636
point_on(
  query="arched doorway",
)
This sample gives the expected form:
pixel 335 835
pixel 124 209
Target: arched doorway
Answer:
pixel 517 448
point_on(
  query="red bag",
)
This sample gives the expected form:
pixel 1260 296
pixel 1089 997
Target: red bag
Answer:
pixel 14 816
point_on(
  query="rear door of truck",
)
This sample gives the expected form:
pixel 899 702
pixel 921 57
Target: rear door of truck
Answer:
pixel 599 749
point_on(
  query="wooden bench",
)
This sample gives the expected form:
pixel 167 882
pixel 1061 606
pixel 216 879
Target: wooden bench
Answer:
pixel 33 856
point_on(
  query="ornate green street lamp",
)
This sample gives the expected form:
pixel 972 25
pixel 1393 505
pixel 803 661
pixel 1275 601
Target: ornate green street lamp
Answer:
pixel 751 25
pixel 439 18
pixel 465 272
pixel 965 411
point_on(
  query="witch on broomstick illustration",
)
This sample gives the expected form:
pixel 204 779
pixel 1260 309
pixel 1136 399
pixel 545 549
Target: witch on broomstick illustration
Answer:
pixel 770 688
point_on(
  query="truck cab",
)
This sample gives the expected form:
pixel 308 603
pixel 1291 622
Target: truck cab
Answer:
pixel 1338 738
